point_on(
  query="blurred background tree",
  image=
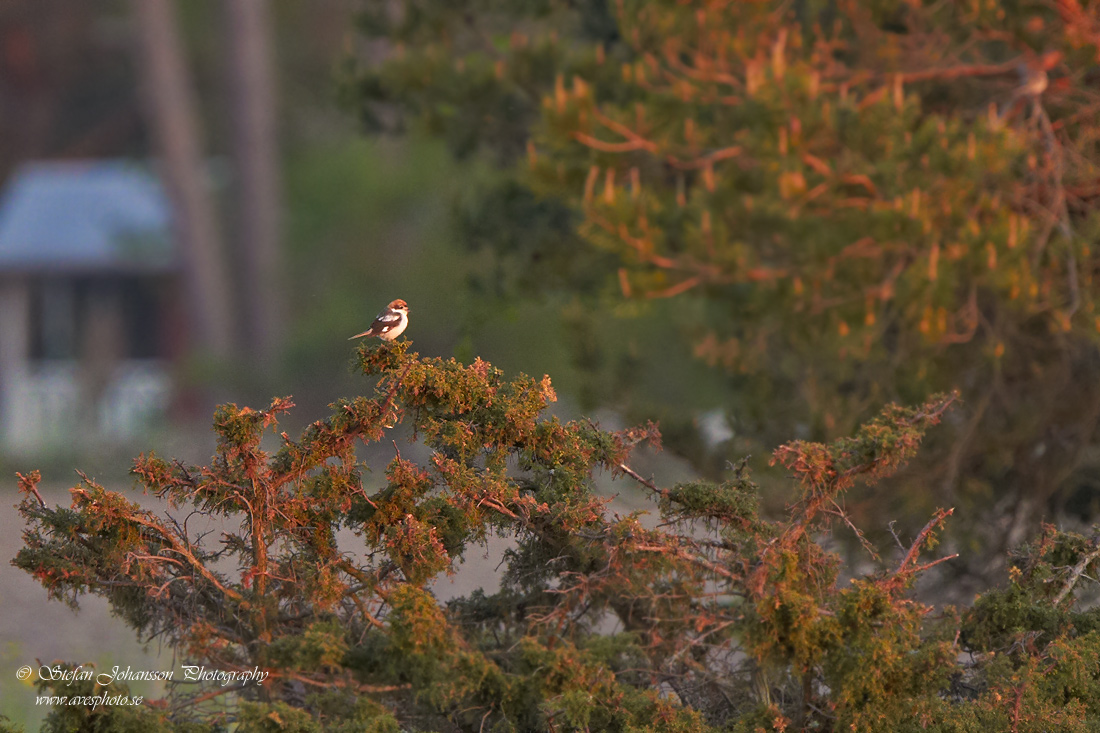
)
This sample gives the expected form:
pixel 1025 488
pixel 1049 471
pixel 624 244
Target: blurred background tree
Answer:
pixel 832 205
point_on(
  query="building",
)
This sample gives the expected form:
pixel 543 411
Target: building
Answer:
pixel 88 284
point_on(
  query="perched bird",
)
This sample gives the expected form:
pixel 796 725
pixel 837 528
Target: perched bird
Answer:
pixel 390 323
pixel 1034 81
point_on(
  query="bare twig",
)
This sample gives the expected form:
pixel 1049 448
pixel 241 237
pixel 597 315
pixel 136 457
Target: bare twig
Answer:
pixel 693 559
pixel 1076 572
pixel 894 533
pixel 908 568
pixel 643 481
pixel 180 549
pixel 839 512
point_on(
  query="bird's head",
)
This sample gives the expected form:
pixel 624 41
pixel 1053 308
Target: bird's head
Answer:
pixel 399 305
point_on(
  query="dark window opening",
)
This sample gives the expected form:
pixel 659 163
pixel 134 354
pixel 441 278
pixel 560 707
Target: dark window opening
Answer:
pixel 131 307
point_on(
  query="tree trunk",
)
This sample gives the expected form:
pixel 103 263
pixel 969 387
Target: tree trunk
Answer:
pixel 172 110
pixel 255 151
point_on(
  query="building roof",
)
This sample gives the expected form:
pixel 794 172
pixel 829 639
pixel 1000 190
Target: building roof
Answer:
pixel 98 216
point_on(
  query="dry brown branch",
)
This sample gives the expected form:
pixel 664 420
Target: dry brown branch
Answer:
pixel 681 287
pixel 907 568
pixel 942 74
pixel 627 146
pixel 178 548
pixel 643 481
pixel 671 55
pixel 497 507
pixel 693 559
pixel 918 569
pixel 1076 572
pixel 631 135
pixel 838 511
pixel 641 247
pixel 29 485
pixel 356 573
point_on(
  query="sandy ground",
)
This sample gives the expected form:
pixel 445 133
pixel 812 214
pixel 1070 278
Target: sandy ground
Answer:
pixel 35 630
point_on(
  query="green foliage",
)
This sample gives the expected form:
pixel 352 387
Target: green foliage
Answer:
pixel 835 205
pixel 103 712
pixel 713 617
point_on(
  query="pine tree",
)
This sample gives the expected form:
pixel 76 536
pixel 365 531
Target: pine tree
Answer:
pixel 846 204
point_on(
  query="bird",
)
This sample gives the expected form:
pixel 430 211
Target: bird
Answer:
pixel 390 323
pixel 1034 81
